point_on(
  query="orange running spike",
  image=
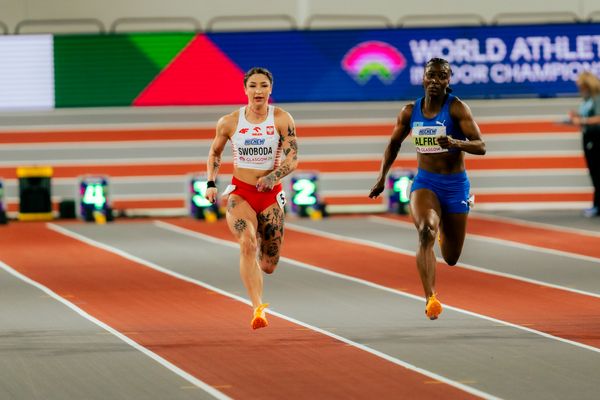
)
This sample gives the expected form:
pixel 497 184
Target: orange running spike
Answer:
pixel 433 308
pixel 260 320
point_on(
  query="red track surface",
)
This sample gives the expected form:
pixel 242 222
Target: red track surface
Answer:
pixel 111 135
pixel 557 312
pixel 157 169
pixel 125 204
pixel 353 200
pixel 105 135
pixel 481 198
pixel 555 239
pixel 205 333
pixel 174 168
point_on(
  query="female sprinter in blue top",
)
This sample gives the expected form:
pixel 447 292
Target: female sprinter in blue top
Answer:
pixel 443 129
pixel 259 134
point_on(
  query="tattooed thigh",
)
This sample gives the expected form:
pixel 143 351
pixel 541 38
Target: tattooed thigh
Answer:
pixel 232 202
pixel 240 225
pixel 270 230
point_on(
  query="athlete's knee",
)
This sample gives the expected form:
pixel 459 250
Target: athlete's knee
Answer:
pixel 451 251
pixel 426 233
pixel 269 266
pixel 248 245
pixel 451 255
pixel 452 259
pixel 269 255
pixel 269 259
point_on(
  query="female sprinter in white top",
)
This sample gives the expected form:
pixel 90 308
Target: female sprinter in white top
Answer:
pixel 259 134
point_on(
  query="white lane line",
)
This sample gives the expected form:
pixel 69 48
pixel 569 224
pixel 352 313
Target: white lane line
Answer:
pixel 140 179
pixel 504 242
pixel 99 145
pixel 515 191
pixel 177 275
pixel 528 172
pixel 151 160
pixel 575 173
pixel 529 224
pixel 319 156
pixel 532 205
pixel 150 143
pixel 310 267
pixel 115 162
pixel 171 367
pixel 51 128
pixel 526 137
pixel 119 197
pixel 535 153
pixel 176 143
pixel 583 188
pixel 398 250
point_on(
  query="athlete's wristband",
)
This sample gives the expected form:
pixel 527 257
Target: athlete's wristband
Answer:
pixel 210 184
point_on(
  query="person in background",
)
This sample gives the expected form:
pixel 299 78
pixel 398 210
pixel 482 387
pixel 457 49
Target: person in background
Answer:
pixel 587 118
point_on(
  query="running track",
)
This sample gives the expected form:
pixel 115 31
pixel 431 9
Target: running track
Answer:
pixel 154 166
pixel 155 309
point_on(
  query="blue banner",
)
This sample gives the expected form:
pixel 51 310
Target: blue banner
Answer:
pixel 387 64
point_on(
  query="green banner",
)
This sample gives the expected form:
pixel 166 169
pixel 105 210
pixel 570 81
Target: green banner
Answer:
pixel 112 70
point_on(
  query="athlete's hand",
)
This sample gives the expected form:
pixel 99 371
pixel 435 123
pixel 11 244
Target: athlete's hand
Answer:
pixel 265 183
pixel 573 115
pixel 211 195
pixel 575 118
pixel 377 189
pixel 447 142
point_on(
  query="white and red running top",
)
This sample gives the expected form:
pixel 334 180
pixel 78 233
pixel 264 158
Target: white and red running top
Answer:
pixel 256 146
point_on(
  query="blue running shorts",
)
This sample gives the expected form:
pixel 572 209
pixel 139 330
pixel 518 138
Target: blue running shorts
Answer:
pixel 452 190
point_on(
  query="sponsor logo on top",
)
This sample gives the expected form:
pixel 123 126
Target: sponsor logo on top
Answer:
pixel 254 142
pixel 428 131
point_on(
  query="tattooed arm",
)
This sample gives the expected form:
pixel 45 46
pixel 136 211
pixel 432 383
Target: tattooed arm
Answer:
pixel 289 147
pixel 224 129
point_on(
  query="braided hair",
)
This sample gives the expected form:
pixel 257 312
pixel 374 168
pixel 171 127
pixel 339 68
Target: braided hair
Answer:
pixel 442 63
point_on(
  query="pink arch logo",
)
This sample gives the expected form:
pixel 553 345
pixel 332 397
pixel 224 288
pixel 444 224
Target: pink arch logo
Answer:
pixel 374 58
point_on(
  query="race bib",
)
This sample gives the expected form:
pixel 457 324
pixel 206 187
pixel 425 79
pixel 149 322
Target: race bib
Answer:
pixel 228 190
pixel 281 199
pixel 425 138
